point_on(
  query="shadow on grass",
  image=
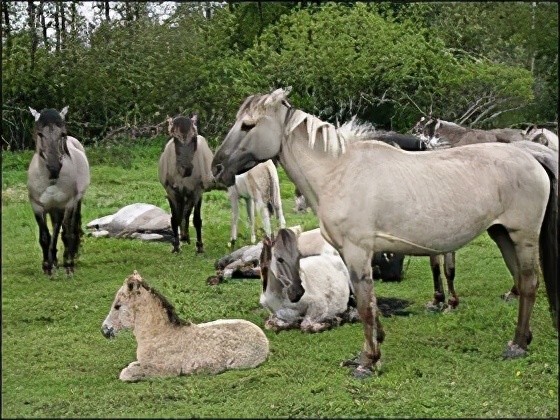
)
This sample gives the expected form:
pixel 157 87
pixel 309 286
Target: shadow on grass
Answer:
pixel 390 306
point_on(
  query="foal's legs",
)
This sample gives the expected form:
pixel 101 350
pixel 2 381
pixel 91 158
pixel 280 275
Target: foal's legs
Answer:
pixel 44 241
pixel 197 222
pixel 357 261
pixel 251 216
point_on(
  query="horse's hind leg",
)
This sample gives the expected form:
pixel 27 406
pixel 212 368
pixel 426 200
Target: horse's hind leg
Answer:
pixel 197 221
pixel 358 262
pixel 500 235
pixel 449 267
pixel 185 237
pixel 250 205
pixel 44 241
pixel 57 217
pixel 439 294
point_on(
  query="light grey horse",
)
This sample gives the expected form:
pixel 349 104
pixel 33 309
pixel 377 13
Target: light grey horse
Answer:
pixel 184 171
pixel 57 179
pixel 260 188
pixel 542 136
pixel 307 292
pixel 510 192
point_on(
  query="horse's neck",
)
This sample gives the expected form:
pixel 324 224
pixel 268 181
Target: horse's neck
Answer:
pixel 151 318
pixel 450 131
pixel 307 168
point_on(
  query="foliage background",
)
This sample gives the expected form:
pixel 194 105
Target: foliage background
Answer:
pixel 122 71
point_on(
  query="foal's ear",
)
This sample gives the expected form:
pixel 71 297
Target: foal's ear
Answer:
pixel 194 119
pixel 64 112
pixel 35 114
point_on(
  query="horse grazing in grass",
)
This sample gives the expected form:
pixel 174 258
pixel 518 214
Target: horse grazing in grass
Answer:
pixel 310 293
pixel 170 346
pixel 184 171
pixel 260 188
pixel 448 198
pixel 57 179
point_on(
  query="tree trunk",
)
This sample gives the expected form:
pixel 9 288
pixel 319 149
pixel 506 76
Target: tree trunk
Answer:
pixel 7 27
pixel 41 14
pixel 62 26
pixel 31 22
pixel 57 25
pixel 107 10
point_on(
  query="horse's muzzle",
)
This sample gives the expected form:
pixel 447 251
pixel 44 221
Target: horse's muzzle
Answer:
pixel 108 332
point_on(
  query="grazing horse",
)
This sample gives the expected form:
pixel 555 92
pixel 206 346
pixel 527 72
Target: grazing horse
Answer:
pixel 310 293
pixel 57 179
pixel 449 197
pixel 184 171
pixel 260 188
pixel 170 346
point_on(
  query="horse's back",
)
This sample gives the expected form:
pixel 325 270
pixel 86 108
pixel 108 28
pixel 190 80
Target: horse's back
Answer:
pixel 403 195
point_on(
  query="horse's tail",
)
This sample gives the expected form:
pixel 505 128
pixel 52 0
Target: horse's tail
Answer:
pixel 548 240
pixel 548 245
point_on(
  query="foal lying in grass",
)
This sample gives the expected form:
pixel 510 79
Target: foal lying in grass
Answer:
pixel 170 346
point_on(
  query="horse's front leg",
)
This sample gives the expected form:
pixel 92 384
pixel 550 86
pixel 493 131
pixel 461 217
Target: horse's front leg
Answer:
pixel 44 241
pixel 176 204
pixel 358 263
pixel 449 267
pixel 265 215
pixel 184 228
pixel 234 200
pixel 197 222
pixel 135 372
pixel 70 237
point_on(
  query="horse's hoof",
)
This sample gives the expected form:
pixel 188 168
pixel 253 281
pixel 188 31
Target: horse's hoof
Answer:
pixel 436 306
pixel 513 351
pixel 351 362
pixel 509 296
pixel 452 304
pixel 362 372
pixel 213 280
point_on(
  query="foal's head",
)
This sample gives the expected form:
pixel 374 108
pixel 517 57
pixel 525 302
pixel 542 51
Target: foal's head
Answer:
pixel 50 138
pixel 184 132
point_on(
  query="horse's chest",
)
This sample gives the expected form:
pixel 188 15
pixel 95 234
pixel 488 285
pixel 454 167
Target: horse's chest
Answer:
pixel 54 196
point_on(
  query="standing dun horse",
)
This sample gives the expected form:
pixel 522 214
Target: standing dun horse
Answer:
pixel 449 197
pixel 260 188
pixel 170 346
pixel 57 179
pixel 184 171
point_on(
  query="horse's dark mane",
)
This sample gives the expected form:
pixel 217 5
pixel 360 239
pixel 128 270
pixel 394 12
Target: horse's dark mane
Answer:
pixel 50 116
pixel 166 305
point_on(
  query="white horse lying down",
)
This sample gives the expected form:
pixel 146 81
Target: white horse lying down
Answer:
pixel 169 346
pixel 258 187
pixel 309 293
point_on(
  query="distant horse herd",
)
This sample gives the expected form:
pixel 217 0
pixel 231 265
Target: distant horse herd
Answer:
pixel 378 196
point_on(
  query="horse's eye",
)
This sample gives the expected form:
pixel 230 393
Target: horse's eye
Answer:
pixel 247 126
pixel 42 155
pixel 280 260
pixel 117 307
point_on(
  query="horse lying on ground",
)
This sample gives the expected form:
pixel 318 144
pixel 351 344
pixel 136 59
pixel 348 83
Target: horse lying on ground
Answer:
pixel 170 346
pixel 509 192
pixel 184 171
pixel 57 179
pixel 542 136
pixel 260 188
pixel 139 220
pixel 310 293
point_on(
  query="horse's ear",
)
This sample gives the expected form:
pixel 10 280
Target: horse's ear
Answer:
pixel 35 114
pixel 194 119
pixel 287 91
pixel 64 112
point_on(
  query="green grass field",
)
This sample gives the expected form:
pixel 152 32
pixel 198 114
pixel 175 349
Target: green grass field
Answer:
pixel 56 363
